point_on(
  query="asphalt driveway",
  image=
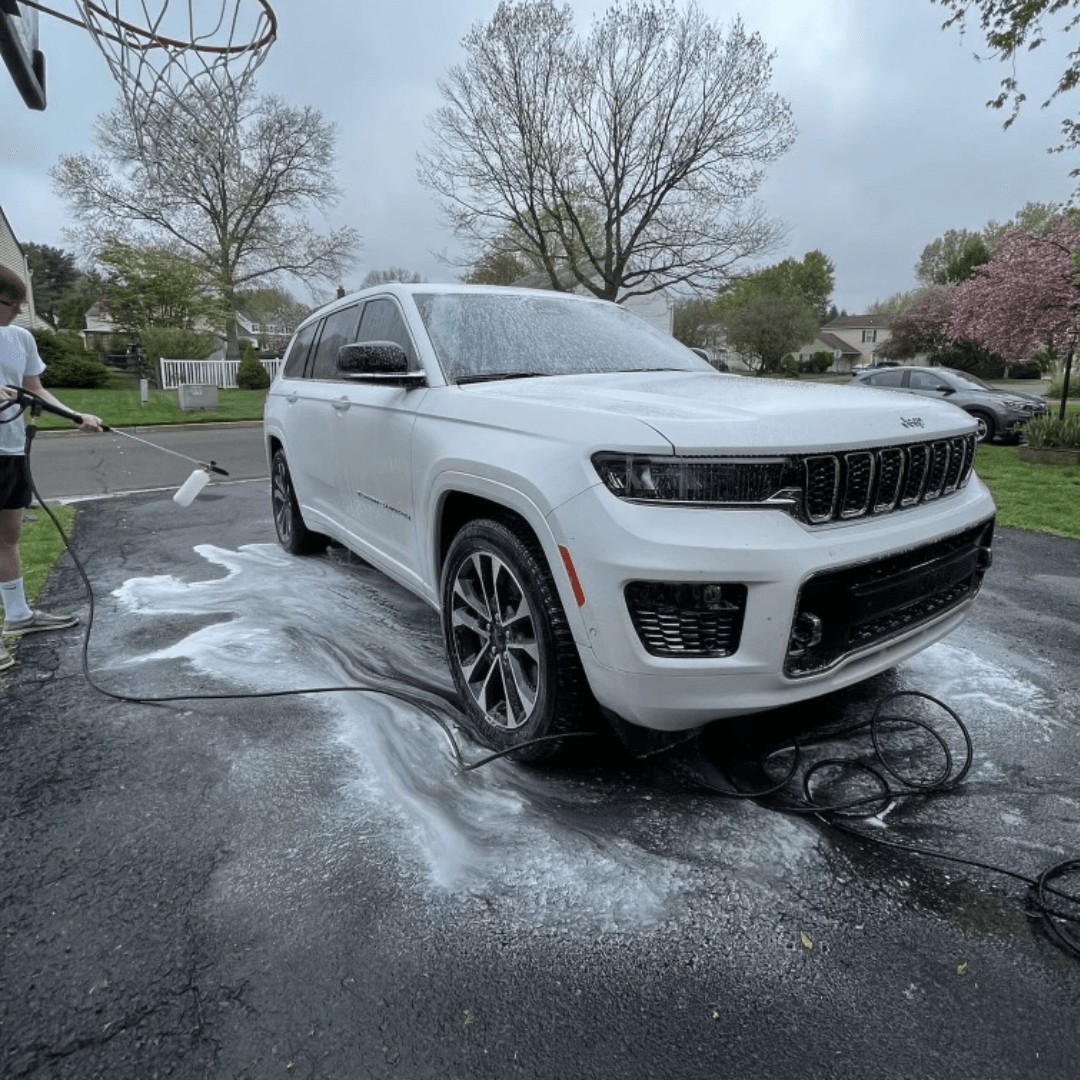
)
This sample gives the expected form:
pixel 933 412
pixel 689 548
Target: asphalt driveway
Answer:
pixel 312 886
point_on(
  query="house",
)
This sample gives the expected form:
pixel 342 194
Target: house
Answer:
pixel 266 337
pixel 852 339
pixel 14 258
pixel 845 356
pixel 102 334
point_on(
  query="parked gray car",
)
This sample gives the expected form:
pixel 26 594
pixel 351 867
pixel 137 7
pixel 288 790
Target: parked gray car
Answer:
pixel 999 413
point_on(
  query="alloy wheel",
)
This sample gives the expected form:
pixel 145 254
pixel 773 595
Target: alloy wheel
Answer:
pixel 495 640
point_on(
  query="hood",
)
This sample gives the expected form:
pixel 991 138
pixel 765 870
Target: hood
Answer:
pixel 703 412
pixel 1001 392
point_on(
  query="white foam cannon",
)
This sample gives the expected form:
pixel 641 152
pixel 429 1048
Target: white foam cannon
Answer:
pixel 191 487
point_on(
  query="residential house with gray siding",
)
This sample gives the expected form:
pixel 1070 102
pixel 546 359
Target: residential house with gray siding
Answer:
pixel 14 258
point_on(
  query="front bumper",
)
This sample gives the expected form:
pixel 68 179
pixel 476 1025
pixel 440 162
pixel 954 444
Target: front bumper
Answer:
pixel 1013 419
pixel 613 543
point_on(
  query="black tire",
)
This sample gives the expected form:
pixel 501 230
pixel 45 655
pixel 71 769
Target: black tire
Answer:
pixel 987 428
pixel 293 535
pixel 519 678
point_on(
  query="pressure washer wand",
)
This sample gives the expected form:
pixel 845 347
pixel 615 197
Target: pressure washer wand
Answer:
pixel 212 466
pixel 25 399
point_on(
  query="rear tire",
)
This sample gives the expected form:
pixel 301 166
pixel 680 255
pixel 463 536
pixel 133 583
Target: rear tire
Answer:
pixel 512 655
pixel 293 535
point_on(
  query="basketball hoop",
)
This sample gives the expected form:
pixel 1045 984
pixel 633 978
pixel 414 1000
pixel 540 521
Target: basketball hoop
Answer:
pixel 169 53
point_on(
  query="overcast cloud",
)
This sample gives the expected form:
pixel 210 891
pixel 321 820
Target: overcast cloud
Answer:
pixel 895 144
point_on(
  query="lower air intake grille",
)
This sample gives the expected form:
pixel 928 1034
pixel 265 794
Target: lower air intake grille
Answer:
pixel 866 605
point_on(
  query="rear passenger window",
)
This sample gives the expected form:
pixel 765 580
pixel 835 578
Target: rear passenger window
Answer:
pixel 339 329
pixel 298 352
pixel 383 321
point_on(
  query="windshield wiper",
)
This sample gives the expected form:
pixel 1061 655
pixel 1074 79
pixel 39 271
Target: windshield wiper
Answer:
pixel 499 376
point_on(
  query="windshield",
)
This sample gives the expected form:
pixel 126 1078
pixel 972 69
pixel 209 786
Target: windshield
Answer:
pixel 499 335
pixel 967 381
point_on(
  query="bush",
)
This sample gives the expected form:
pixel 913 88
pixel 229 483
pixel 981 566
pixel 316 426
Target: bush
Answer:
pixel 1025 369
pixel 1052 433
pixel 1054 393
pixel 175 344
pixel 67 363
pixel 251 375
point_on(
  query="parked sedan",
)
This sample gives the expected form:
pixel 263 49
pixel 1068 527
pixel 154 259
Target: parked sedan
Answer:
pixel 602 518
pixel 997 412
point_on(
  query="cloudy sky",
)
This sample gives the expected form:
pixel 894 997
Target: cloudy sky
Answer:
pixel 895 144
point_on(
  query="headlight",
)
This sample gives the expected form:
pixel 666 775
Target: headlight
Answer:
pixel 699 481
pixel 1019 404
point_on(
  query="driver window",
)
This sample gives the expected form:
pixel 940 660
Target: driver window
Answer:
pixel 892 377
pixel 382 321
pixel 337 331
pixel 923 380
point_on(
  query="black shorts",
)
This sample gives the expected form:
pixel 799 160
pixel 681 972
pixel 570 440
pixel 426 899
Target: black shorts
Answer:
pixel 15 490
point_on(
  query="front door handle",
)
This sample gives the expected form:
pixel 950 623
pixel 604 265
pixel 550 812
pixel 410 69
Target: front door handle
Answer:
pixel 342 404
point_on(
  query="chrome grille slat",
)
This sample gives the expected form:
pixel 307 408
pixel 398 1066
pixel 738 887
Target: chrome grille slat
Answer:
pixel 859 469
pixel 890 473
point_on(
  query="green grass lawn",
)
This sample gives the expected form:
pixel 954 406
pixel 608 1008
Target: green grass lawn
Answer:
pixel 41 546
pixel 1038 498
pixel 121 407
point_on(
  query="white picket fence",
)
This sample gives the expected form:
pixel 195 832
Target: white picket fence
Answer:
pixel 219 373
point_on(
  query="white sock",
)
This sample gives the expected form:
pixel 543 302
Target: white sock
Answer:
pixel 13 596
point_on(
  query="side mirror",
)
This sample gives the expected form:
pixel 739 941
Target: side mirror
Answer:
pixel 372 358
pixel 700 352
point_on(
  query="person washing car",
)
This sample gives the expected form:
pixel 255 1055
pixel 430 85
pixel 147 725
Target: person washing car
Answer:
pixel 20 365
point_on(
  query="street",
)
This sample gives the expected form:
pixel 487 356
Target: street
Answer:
pixel 312 886
pixel 69 465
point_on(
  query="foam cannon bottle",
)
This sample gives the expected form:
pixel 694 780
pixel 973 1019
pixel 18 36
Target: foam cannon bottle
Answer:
pixel 191 487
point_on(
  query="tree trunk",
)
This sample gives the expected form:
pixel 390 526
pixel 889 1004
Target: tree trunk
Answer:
pixel 232 339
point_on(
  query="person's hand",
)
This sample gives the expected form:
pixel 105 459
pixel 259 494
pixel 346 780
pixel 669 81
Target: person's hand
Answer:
pixel 91 422
pixel 7 394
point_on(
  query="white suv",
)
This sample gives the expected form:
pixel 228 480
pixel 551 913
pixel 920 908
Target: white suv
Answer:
pixel 603 518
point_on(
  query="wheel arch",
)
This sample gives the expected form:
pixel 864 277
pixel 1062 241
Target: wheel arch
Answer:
pixel 458 507
pixel 981 414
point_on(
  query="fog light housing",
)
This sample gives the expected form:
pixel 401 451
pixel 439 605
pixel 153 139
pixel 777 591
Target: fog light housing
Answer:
pixel 680 619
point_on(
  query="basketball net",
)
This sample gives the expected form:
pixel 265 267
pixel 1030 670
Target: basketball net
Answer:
pixel 187 55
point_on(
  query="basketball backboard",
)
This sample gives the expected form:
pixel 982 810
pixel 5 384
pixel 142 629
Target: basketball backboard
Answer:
pixel 19 51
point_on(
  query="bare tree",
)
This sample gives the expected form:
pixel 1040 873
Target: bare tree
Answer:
pixel 621 162
pixel 227 179
pixel 391 273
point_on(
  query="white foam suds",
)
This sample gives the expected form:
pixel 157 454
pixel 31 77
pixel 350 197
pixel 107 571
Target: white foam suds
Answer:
pixel 970 683
pixel 544 846
pixel 538 844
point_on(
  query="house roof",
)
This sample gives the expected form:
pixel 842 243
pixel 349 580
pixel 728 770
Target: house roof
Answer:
pixel 859 322
pixel 833 342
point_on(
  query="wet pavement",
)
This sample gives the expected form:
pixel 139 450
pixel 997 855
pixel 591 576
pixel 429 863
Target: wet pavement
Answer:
pixel 312 886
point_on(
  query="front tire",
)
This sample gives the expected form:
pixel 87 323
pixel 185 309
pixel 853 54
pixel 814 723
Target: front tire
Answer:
pixel 293 535
pixel 514 661
pixel 986 430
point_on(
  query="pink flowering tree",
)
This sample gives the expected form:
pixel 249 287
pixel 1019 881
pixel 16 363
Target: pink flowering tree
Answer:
pixel 922 329
pixel 1024 298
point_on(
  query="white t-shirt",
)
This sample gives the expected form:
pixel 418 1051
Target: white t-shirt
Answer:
pixel 18 358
